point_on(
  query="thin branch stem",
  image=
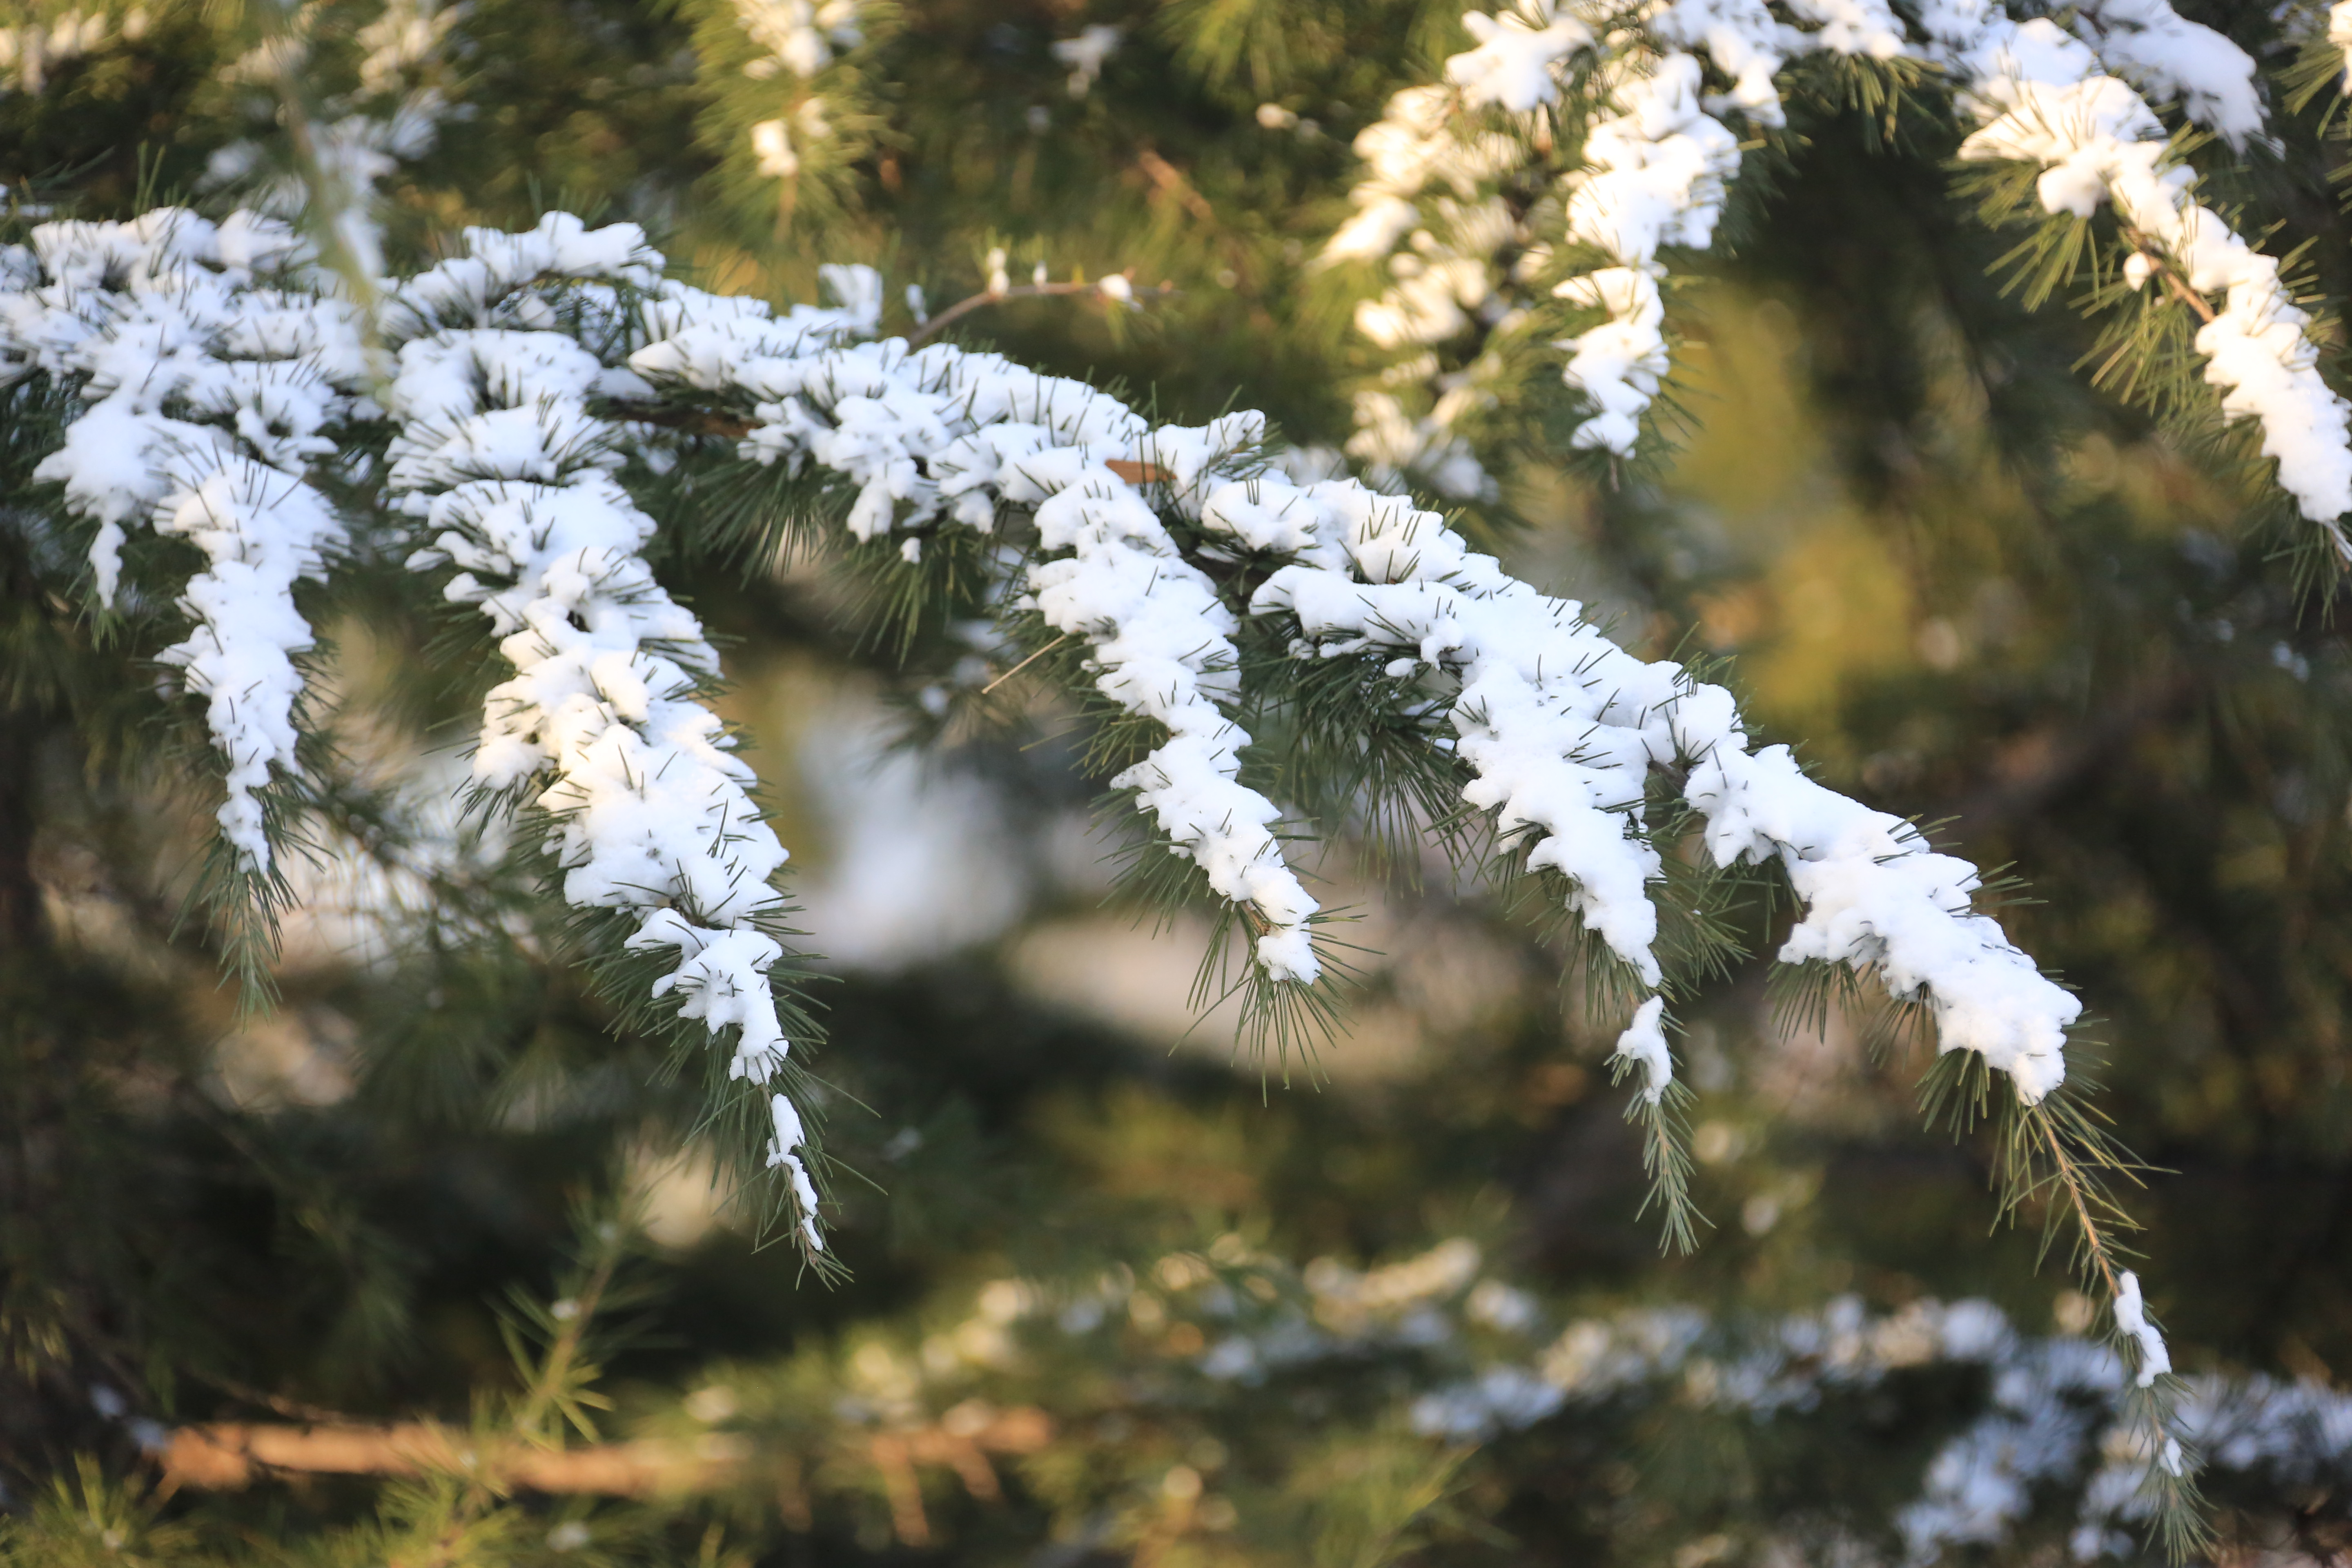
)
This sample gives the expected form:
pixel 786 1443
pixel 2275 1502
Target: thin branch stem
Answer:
pixel 1024 664
pixel 1026 291
pixel 2161 261
pixel 693 421
pixel 328 191
pixel 563 1349
pixel 2072 1178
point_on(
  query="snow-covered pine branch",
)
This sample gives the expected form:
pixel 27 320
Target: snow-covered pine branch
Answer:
pixel 508 474
pixel 941 438
pixel 215 392
pixel 2043 98
pixel 216 376
pixel 1557 728
pixel 1626 86
pixel 1656 159
pixel 1163 550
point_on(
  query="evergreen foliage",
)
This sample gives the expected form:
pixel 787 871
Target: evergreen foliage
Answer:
pixel 368 1004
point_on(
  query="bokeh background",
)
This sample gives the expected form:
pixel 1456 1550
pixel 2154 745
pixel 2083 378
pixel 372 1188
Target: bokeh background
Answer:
pixel 1970 587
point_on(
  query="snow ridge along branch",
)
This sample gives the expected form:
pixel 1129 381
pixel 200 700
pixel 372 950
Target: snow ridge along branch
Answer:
pixel 510 477
pixel 214 376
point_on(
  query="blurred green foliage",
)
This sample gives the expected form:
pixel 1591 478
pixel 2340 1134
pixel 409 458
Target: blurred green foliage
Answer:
pixel 1974 589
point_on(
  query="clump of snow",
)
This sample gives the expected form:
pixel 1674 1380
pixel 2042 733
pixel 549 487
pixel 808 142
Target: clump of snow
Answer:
pixel 212 383
pixel 2131 1317
pixel 1514 66
pixel 1086 53
pixel 1643 1043
pixel 1876 895
pixel 1747 43
pixel 797 36
pixel 1857 29
pixel 1653 175
pixel 2168 57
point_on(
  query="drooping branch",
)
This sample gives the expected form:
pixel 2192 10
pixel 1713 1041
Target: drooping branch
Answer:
pixel 498 456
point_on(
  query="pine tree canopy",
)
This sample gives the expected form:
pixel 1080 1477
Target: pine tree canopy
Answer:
pixel 1622 533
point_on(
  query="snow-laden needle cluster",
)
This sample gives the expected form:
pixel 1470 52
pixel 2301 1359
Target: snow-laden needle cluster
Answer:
pixel 214 380
pixel 2044 97
pixel 509 476
pixel 797 36
pixel 1456 177
pixel 1558 729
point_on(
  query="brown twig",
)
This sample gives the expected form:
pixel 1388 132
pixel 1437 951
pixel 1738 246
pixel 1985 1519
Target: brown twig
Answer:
pixel 2161 263
pixel 694 421
pixel 226 1456
pixel 961 1441
pixel 2180 287
pixel 2071 1180
pixel 1172 180
pixel 1024 664
pixel 1026 291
